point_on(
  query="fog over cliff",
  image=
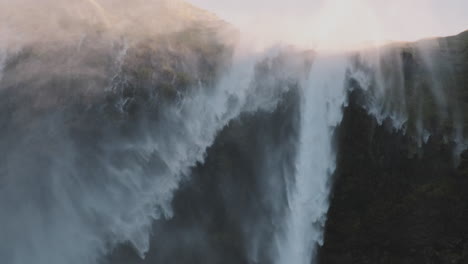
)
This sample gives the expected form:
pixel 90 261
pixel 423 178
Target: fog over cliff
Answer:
pixel 153 132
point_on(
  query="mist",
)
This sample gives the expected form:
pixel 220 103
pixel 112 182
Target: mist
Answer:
pixel 341 24
pixel 155 131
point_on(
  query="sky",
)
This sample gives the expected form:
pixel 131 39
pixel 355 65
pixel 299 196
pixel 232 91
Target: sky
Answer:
pixel 341 23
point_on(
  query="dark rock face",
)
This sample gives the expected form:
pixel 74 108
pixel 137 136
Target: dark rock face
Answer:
pixel 390 204
pixel 394 202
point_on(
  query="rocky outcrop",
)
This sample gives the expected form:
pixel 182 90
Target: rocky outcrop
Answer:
pixel 391 206
pixel 393 203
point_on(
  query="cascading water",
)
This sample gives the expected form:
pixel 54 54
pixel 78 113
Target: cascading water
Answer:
pixel 81 173
pixel 323 98
pixel 100 127
pixel 69 213
pixel 391 91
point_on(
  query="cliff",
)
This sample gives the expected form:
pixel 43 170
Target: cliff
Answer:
pixel 129 134
pixel 102 112
pixel 394 199
pixel 390 205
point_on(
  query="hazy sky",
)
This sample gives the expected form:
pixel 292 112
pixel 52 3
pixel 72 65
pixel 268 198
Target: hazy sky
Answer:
pixel 342 22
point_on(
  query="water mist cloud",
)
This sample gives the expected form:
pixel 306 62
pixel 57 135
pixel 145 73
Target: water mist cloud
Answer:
pixel 362 21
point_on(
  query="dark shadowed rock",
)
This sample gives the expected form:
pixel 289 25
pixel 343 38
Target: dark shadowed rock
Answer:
pixel 392 203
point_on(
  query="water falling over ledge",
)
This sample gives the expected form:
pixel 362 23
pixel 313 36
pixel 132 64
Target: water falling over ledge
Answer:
pixel 102 123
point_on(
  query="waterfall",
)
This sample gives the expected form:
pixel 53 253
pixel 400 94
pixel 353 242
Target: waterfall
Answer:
pixel 413 87
pixel 102 122
pixel 67 198
pixel 308 191
pixel 396 83
pixel 80 173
